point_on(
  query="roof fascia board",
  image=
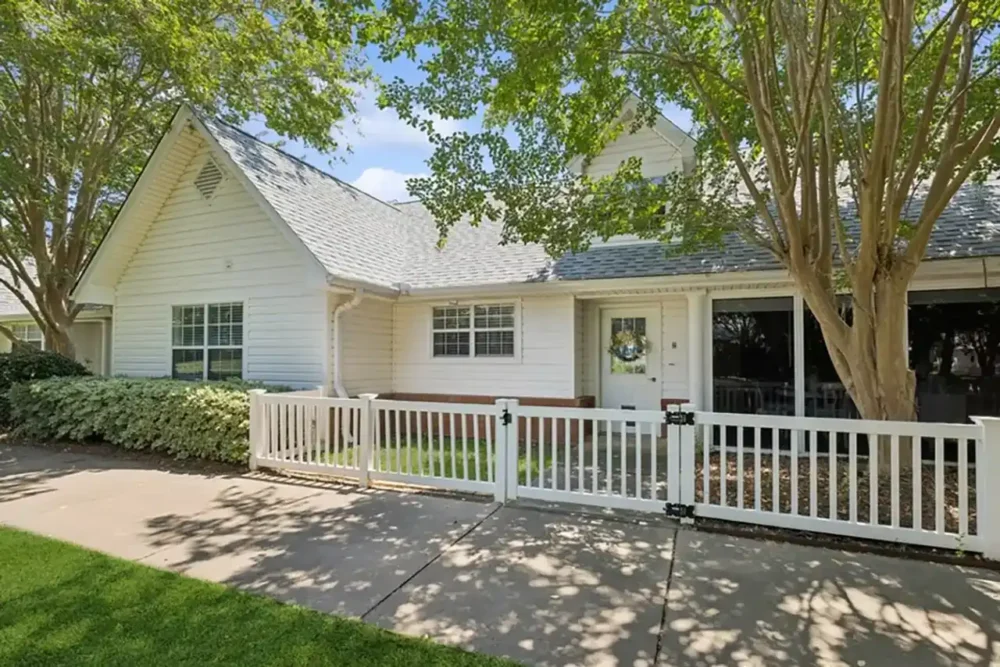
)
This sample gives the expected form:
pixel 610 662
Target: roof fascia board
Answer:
pixel 344 286
pixel 317 272
pixel 682 282
pixel 967 270
pixel 147 176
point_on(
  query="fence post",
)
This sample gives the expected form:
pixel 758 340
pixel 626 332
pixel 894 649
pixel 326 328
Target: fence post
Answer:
pixel 365 438
pixel 673 459
pixel 513 436
pixel 256 426
pixel 687 468
pixel 500 452
pixel 988 485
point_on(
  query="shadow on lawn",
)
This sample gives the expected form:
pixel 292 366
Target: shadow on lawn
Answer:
pixel 553 589
pixel 67 606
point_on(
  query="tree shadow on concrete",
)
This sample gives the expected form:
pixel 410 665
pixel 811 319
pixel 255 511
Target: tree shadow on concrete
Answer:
pixel 65 606
pixel 545 589
pixel 27 471
pixel 333 548
pixel 740 601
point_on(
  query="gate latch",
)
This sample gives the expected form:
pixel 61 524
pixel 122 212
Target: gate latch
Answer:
pixel 679 419
pixel 679 511
pixel 506 418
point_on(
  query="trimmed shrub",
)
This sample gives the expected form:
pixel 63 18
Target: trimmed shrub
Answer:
pixel 208 420
pixel 24 364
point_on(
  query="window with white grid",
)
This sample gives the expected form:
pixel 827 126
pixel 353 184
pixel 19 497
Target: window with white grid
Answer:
pixel 480 331
pixel 207 341
pixel 28 333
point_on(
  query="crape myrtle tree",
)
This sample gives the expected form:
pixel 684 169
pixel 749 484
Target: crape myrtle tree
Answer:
pixel 88 86
pixel 802 110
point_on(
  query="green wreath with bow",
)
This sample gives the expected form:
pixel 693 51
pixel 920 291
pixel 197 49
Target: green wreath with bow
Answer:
pixel 628 346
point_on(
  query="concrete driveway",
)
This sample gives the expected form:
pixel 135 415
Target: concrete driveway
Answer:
pixel 544 588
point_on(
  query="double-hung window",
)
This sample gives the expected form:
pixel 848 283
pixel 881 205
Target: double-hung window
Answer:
pixel 207 342
pixel 474 331
pixel 28 333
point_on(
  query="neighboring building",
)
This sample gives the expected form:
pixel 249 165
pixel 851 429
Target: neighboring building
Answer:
pixel 91 333
pixel 231 258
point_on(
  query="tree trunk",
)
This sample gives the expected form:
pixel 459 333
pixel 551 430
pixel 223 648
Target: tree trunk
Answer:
pixel 57 338
pixel 871 356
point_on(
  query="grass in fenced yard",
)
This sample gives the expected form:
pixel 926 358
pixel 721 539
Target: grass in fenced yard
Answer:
pixel 64 605
pixel 436 460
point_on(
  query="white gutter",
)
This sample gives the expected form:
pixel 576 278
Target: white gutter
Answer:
pixel 338 380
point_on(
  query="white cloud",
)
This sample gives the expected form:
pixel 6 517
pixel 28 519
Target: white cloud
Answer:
pixel 386 184
pixel 374 126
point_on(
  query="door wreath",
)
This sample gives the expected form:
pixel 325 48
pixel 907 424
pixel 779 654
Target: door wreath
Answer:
pixel 628 346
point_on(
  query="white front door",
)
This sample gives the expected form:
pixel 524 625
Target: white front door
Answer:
pixel 630 358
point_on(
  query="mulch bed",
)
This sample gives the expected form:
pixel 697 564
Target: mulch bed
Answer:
pixel 905 505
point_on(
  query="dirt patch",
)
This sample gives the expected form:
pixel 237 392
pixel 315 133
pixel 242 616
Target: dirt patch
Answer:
pixel 890 501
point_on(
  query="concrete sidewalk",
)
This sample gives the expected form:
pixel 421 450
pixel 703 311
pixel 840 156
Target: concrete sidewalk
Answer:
pixel 543 588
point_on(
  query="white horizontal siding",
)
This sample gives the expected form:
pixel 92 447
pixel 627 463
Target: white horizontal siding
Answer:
pixel 164 172
pixel 659 157
pixel 366 352
pixel 226 249
pixel 674 348
pixel 542 369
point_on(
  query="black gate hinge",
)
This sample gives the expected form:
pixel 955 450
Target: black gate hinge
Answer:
pixel 678 511
pixel 506 418
pixel 679 419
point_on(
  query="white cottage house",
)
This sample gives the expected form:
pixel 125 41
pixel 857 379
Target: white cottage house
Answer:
pixel 232 258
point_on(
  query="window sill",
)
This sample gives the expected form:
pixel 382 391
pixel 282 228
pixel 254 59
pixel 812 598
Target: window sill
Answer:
pixel 476 360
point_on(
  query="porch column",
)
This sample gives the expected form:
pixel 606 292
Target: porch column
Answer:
pixel 696 348
pixel 799 354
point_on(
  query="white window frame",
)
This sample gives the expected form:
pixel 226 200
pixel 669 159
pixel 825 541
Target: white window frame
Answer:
pixel 471 357
pixel 25 325
pixel 205 346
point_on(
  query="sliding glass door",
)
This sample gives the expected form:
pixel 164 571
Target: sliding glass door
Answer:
pixel 955 353
pixel 954 342
pixel 752 362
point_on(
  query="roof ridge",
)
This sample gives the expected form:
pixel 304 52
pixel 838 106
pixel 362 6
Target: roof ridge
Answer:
pixel 299 160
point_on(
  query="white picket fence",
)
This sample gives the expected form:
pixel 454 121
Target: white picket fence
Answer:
pixel 814 474
pixel 824 475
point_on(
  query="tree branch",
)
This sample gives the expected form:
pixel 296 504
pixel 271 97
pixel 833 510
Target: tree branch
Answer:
pixel 944 188
pixel 919 144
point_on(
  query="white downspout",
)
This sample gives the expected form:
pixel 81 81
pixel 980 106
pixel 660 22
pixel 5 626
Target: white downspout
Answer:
pixel 338 380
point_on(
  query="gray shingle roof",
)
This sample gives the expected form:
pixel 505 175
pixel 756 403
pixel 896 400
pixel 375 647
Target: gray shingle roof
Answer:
pixel 359 237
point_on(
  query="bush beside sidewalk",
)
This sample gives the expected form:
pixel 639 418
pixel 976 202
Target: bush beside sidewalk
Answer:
pixel 207 420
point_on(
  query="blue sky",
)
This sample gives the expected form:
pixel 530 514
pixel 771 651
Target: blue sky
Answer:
pixel 385 151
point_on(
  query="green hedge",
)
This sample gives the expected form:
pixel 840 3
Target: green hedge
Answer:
pixel 24 363
pixel 183 419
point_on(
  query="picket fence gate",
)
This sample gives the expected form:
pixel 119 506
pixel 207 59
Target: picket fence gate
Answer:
pixel 933 485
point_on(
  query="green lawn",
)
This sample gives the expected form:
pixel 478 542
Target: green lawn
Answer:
pixel 63 605
pixel 438 461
